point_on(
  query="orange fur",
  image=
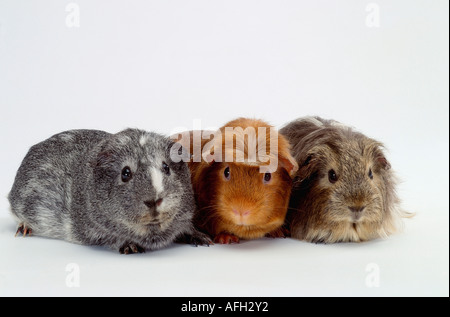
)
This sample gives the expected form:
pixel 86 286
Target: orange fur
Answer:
pixel 245 205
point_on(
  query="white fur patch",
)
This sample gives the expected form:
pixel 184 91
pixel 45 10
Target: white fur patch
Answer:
pixel 157 180
pixel 143 140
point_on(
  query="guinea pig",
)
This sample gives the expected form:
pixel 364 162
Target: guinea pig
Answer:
pixel 242 180
pixel 119 190
pixel 344 189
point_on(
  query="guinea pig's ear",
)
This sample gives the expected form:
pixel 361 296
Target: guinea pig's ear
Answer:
pixel 102 159
pixel 285 158
pixel 288 163
pixel 177 152
pixel 210 159
pixel 381 160
pixel 308 165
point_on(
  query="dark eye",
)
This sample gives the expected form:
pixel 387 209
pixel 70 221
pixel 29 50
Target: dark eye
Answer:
pixel 126 174
pixel 166 168
pixel 370 174
pixel 267 177
pixel 332 176
pixel 227 173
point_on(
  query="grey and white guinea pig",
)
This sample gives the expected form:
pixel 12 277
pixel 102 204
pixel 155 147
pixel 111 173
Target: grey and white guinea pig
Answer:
pixel 119 190
pixel 344 189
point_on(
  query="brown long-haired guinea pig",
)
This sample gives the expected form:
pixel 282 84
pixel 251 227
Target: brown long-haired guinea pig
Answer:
pixel 344 189
pixel 241 179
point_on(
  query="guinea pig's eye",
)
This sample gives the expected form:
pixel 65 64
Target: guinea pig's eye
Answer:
pixel 332 176
pixel 166 168
pixel 227 173
pixel 370 174
pixel 126 174
pixel 267 177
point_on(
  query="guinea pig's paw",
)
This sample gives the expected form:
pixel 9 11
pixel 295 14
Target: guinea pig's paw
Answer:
pixel 130 248
pixel 195 238
pixel 226 238
pixel 199 238
pixel 24 230
pixel 282 232
pixel 319 240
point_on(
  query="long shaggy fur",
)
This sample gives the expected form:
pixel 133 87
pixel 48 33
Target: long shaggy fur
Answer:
pixel 320 209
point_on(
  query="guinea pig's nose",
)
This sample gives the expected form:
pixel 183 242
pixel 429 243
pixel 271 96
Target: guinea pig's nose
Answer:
pixel 152 203
pixel 356 209
pixel 238 212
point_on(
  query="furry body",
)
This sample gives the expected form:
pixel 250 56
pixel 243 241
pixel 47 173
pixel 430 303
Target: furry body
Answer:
pixel 70 187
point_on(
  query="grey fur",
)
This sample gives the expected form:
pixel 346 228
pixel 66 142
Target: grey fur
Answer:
pixel 70 187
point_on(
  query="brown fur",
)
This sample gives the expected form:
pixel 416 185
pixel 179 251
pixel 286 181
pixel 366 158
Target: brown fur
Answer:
pixel 319 209
pixel 245 191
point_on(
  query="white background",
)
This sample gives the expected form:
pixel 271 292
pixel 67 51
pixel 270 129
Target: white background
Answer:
pixel 158 65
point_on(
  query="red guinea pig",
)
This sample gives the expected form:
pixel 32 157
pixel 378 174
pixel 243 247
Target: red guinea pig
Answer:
pixel 242 180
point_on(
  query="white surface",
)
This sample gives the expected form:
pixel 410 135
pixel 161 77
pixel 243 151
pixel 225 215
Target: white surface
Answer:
pixel 414 263
pixel 158 65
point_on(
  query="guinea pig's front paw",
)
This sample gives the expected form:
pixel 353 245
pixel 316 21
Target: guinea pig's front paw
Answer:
pixel 24 230
pixel 195 238
pixel 199 238
pixel 226 238
pixel 130 248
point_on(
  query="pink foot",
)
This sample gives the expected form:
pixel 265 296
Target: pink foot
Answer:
pixel 226 238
